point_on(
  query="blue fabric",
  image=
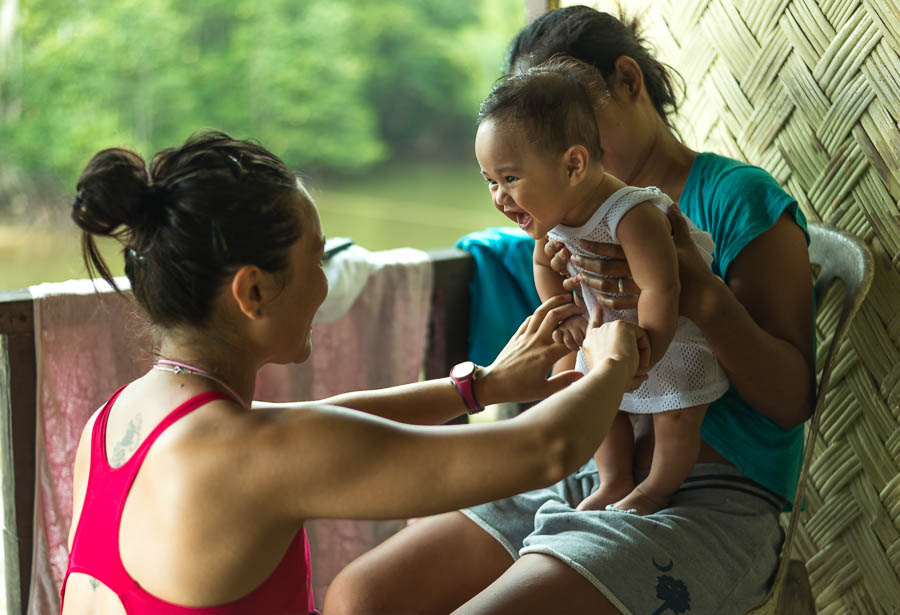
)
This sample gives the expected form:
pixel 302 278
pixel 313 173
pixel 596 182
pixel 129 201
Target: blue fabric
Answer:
pixel 735 203
pixel 502 288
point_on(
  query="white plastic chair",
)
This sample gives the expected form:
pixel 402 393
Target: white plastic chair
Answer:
pixel 843 257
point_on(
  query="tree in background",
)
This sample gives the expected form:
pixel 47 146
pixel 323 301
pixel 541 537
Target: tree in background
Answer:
pixel 335 85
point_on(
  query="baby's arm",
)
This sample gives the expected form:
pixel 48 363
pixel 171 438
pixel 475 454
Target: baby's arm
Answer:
pixel 549 284
pixel 646 239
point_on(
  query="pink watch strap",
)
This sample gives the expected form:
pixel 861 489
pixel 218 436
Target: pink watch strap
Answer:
pixel 466 389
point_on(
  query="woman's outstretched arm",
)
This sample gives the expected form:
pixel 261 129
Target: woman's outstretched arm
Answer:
pixel 519 373
pixel 332 462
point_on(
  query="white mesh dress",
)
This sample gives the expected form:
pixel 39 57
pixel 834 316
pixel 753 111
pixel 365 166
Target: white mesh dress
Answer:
pixel 689 373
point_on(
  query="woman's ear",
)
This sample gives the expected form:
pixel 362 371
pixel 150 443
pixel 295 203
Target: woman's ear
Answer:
pixel 630 76
pixel 248 290
pixel 576 160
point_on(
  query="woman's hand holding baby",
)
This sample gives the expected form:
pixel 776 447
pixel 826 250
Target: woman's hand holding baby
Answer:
pixel 519 373
pixel 610 274
pixel 698 282
pixel 618 340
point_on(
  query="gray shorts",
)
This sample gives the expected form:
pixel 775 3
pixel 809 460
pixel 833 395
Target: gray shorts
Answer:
pixel 712 550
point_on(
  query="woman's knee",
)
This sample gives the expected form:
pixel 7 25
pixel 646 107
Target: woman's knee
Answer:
pixel 539 583
pixel 369 585
pixel 431 567
pixel 350 593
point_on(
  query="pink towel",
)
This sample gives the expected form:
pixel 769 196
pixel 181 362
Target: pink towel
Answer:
pixel 88 347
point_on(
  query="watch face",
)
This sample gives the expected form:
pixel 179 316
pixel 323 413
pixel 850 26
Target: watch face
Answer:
pixel 462 370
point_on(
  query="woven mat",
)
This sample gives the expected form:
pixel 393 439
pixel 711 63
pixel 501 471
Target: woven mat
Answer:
pixel 810 91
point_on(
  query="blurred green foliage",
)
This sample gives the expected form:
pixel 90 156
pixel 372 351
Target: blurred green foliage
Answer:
pixel 329 85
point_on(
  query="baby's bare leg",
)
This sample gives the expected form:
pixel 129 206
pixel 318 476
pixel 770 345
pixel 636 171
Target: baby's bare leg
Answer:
pixel 615 460
pixel 675 450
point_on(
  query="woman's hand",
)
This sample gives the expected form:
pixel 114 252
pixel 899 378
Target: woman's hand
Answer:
pixel 608 273
pixel 695 275
pixel 519 373
pixel 618 340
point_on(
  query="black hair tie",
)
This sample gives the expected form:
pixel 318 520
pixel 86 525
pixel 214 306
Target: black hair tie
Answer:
pixel 152 206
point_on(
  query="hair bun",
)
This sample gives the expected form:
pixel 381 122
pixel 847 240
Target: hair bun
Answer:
pixel 114 191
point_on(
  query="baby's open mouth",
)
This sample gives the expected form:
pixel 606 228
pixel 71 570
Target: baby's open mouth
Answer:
pixel 522 218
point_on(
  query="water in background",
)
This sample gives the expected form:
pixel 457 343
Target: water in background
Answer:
pixel 423 206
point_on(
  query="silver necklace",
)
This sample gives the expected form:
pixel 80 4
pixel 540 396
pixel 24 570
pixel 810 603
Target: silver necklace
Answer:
pixel 176 367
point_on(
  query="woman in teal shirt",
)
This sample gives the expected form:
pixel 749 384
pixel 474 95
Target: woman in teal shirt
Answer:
pixel 715 548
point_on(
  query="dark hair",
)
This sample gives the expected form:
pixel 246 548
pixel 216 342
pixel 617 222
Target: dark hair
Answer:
pixel 598 39
pixel 196 215
pixel 553 103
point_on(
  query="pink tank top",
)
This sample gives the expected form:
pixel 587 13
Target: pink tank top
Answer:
pixel 95 548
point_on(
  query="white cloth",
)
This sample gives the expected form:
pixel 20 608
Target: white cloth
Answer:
pixel 90 344
pixel 688 374
pixel 348 272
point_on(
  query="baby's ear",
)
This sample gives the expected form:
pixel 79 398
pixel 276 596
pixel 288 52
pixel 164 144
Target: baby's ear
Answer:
pixel 577 160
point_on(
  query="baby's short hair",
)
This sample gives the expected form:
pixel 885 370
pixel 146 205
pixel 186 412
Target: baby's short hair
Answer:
pixel 553 102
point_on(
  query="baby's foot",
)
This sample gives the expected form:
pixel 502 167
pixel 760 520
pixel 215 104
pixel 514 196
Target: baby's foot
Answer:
pixel 640 502
pixel 606 494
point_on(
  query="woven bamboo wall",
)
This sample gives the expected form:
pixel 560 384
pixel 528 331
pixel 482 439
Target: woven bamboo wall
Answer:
pixel 810 91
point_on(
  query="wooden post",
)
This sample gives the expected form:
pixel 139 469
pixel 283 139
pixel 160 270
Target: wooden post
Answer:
pixel 18 382
pixel 448 329
pixel 536 8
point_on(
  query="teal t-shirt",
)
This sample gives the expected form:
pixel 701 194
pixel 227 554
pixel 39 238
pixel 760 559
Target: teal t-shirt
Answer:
pixel 736 202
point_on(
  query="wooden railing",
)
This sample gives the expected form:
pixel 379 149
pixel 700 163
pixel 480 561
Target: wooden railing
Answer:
pixel 447 345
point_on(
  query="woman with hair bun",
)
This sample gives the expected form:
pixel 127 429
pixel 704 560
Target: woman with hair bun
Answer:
pixel 186 501
pixel 715 546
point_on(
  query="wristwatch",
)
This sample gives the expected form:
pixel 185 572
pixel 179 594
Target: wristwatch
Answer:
pixel 463 377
